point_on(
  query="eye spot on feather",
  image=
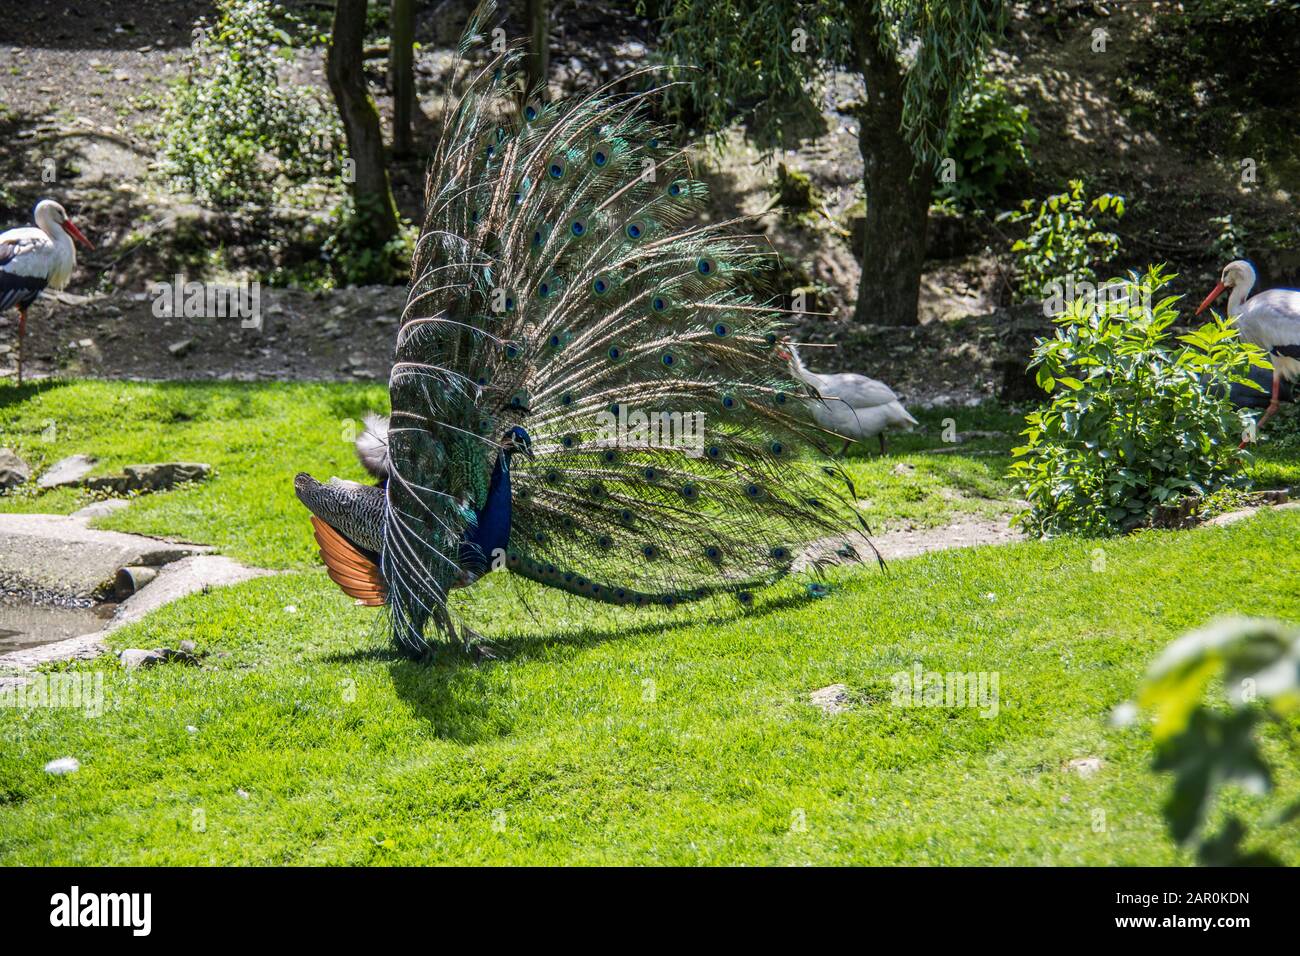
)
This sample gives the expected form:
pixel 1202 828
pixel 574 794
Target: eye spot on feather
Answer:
pixel 635 229
pixel 676 188
pixel 753 491
pixel 532 110
pixel 568 441
pixel 557 169
pixel 615 353
pixel 545 289
pixel 713 553
pixel 669 359
pixel 721 330
pixel 780 553
pixel 729 402
pixel 609 456
pixel 540 537
pixel 626 516
pixel 566 399
pixel 714 452
pixel 650 473
pixel 653 143
pixel 706 265
pixel 599 158
pixel 578 228
pixel 660 303
pixel 770 338
pixel 745 598
pixel 776 448
pixel 605 542
pixel 600 285
pixel 690 491
pixel 780 398
pixel 650 552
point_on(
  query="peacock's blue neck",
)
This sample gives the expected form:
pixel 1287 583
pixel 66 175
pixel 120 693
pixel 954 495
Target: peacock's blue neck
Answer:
pixel 490 534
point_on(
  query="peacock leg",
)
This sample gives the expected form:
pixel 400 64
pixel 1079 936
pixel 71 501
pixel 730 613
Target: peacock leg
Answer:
pixel 845 450
pixel 881 436
pixel 476 646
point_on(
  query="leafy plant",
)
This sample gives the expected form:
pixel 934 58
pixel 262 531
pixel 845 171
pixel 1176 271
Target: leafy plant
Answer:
pixel 236 134
pixel 356 257
pixel 1207 747
pixel 987 143
pixel 1137 419
pixel 1064 242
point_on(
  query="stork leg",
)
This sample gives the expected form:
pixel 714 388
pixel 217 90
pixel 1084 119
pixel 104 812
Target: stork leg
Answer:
pixel 1272 405
pixel 22 334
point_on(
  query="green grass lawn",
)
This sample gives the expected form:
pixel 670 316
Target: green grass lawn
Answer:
pixel 606 735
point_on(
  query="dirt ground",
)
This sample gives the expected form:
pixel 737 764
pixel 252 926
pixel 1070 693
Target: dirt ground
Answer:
pixel 80 91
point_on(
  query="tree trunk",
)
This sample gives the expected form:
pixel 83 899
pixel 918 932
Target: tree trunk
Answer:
pixel 537 64
pixel 401 73
pixel 897 187
pixel 371 193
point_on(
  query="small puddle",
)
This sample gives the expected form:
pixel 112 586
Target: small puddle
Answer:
pixel 24 625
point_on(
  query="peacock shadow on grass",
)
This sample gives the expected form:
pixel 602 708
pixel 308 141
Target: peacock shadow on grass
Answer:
pixel 452 690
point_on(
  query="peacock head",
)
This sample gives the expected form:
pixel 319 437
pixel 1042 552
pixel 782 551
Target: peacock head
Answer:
pixel 517 440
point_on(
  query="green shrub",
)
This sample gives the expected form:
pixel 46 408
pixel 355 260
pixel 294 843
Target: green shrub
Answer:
pixel 235 134
pixel 1137 419
pixel 987 143
pixel 1064 243
pixel 354 254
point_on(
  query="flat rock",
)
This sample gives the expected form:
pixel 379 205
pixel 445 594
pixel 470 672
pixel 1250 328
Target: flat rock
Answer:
pixel 67 471
pixel 60 555
pixel 134 657
pixel 179 579
pixel 1084 766
pixel 13 470
pixel 158 476
pixel 101 509
pixel 832 700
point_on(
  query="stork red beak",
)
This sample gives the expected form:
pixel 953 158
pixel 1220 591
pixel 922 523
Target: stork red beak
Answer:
pixel 70 228
pixel 1214 294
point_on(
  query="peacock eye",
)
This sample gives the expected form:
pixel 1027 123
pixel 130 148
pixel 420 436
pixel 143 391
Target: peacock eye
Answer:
pixel 599 158
pixel 780 553
pixel 556 169
pixel 615 353
pixel 659 304
pixel 675 188
pixel 635 229
pixel 532 111
pixel 578 227
pixel 722 330
pixel 706 266
pixel 600 285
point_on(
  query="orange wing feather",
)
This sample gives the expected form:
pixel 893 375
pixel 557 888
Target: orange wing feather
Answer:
pixel 351 570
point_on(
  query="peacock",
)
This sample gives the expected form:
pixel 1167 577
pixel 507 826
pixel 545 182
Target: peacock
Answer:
pixel 586 390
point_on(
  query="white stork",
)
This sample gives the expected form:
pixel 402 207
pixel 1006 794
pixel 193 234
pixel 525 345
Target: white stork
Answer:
pixel 32 259
pixel 1270 320
pixel 852 406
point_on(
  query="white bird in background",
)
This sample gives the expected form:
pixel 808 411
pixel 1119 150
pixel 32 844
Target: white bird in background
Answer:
pixel 32 259
pixel 1270 320
pixel 852 406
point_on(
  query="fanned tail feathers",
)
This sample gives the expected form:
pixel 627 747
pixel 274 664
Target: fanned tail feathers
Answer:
pixel 558 286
